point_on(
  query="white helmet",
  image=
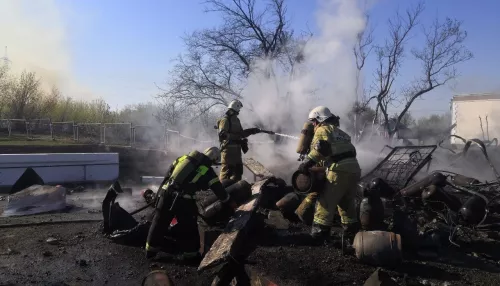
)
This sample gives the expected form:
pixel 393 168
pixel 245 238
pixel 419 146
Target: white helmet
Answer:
pixel 235 105
pixel 320 113
pixel 213 153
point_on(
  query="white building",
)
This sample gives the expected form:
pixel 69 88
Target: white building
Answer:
pixel 475 116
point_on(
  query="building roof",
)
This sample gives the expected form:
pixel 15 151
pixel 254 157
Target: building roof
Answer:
pixel 480 96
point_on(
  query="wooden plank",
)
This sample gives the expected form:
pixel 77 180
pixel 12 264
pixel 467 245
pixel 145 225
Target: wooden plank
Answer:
pixel 228 243
pixel 258 170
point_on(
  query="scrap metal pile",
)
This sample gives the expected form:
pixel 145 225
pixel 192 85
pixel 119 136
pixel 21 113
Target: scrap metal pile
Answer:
pixel 397 212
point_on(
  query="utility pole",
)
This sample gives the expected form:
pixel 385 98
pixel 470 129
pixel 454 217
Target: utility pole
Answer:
pixel 5 58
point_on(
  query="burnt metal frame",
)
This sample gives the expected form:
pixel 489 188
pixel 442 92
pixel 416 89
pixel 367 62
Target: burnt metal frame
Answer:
pixel 422 163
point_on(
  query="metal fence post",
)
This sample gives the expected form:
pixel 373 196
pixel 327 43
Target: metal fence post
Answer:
pixel 27 129
pixel 51 130
pixel 9 127
pixel 103 126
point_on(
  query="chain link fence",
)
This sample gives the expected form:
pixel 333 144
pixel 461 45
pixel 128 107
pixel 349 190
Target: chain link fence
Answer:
pixel 122 134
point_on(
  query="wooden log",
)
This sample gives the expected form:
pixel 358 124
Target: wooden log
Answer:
pixel 258 170
pixel 229 243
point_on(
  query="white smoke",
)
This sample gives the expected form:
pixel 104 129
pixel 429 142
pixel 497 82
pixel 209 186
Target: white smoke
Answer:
pixel 329 70
pixel 37 40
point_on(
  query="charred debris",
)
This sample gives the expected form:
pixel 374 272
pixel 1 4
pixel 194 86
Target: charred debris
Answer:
pixel 405 210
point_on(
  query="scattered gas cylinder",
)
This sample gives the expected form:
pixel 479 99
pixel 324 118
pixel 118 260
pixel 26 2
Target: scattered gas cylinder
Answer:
pixel 157 278
pixel 239 191
pixel 289 202
pixel 473 210
pixel 305 182
pixel 461 180
pixel 371 211
pixel 379 248
pixel 416 189
pixel 434 194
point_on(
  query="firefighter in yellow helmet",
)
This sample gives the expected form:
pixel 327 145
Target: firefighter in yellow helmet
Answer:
pixel 233 141
pixel 187 174
pixel 332 147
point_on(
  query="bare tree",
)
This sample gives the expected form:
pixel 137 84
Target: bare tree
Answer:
pixel 441 52
pixel 219 60
pixel 361 51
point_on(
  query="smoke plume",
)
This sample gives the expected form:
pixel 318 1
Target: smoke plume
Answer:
pixel 328 77
pixel 36 39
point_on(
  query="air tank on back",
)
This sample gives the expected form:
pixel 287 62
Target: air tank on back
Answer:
pixel 306 136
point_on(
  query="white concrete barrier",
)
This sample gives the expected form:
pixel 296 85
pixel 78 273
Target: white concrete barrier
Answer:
pixel 59 168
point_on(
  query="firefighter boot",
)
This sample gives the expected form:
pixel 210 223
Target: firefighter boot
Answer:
pixel 320 232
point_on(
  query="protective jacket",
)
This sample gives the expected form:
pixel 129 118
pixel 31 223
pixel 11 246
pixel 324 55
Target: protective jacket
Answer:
pixel 343 153
pixel 191 173
pixel 231 138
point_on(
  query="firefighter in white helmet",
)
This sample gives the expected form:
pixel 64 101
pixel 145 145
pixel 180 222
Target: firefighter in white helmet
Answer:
pixel 233 141
pixel 187 174
pixel 332 148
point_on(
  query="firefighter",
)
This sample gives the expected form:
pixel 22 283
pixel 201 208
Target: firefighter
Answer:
pixel 332 147
pixel 187 175
pixel 232 142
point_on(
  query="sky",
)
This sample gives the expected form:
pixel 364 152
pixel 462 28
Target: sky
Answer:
pixel 121 49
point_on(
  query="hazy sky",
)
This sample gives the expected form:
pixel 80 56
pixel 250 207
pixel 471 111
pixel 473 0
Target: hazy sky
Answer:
pixel 119 49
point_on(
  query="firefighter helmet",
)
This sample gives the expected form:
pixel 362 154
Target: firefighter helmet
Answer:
pixel 320 114
pixel 213 153
pixel 235 105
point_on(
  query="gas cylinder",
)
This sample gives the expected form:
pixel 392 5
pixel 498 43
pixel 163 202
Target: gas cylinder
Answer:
pixel 289 202
pixel 305 182
pixel 434 193
pixel 239 191
pixel 306 136
pixel 379 248
pixel 461 180
pixel 416 189
pixel 371 211
pixel 473 210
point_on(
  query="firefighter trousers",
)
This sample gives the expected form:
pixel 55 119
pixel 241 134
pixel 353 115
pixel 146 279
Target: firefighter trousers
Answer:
pixel 183 236
pixel 233 171
pixel 338 193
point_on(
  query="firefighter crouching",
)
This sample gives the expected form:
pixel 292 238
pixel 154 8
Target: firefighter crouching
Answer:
pixel 233 141
pixel 187 175
pixel 332 147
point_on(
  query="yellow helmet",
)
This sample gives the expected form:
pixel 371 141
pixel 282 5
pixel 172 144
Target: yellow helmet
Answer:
pixel 213 153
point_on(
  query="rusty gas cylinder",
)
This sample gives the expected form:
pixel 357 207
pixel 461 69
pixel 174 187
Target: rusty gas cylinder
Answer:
pixel 434 194
pixel 305 182
pixel 473 210
pixel 288 203
pixel 157 278
pixel 371 211
pixel 379 248
pixel 416 189
pixel 240 192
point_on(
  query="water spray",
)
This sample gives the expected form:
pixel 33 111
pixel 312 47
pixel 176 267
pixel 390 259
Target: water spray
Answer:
pixel 287 136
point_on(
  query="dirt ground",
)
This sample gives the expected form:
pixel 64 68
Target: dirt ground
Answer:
pixel 78 254
pixel 83 257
